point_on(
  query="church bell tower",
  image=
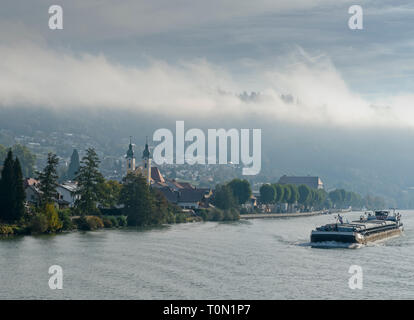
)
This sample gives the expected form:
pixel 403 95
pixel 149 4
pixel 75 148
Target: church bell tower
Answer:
pixel 146 163
pixel 130 158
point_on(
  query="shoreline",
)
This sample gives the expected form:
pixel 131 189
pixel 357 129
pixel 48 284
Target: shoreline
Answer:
pixel 287 215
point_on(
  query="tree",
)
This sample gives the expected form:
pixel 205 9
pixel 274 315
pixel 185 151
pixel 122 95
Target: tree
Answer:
pixel 336 197
pixel 286 193
pixel 224 197
pixel 304 194
pixel 241 190
pixel 19 192
pixel 53 222
pixel 74 165
pixel 294 195
pixel 137 200
pixel 6 189
pixel 48 179
pixel 89 181
pixel 109 193
pixel 267 194
pixel 279 192
pixel 12 193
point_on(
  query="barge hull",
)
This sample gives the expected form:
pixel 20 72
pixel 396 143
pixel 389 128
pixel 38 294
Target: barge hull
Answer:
pixel 353 237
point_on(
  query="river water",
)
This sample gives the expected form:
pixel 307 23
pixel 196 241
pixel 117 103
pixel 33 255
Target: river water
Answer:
pixel 254 259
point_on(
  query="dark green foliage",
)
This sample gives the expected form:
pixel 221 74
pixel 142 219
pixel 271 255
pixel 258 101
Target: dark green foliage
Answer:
pixel 215 214
pixel 39 224
pixel 122 221
pixel 65 217
pixel 12 194
pixel 89 184
pixel 48 179
pixel 109 193
pixel 294 194
pixel 279 192
pixel 286 193
pixel 224 197
pixel 267 194
pixel 305 194
pixel 88 223
pixel 137 199
pixel 19 192
pixel 241 190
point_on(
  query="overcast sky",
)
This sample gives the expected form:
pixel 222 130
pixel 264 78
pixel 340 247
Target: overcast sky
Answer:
pixel 174 56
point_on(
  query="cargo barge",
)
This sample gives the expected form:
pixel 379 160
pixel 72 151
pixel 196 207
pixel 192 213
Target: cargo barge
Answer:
pixel 370 227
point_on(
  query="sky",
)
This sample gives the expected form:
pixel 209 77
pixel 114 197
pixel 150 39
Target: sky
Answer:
pixel 170 57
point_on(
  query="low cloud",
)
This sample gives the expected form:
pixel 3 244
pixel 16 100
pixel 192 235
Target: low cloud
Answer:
pixel 304 91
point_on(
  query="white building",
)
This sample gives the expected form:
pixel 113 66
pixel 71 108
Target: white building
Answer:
pixel 66 194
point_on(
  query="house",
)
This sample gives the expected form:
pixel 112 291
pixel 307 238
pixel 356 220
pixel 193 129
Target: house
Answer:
pixel 311 182
pixel 31 187
pixel 66 196
pixel 187 198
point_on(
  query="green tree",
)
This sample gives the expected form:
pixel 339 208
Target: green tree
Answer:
pixel 279 192
pixel 294 195
pixel 224 197
pixel 74 165
pixel 53 222
pixel 336 197
pixel 19 192
pixel 89 181
pixel 12 193
pixel 241 190
pixel 267 194
pixel 137 200
pixel 110 191
pixel 6 188
pixel 304 194
pixel 48 179
pixel 286 193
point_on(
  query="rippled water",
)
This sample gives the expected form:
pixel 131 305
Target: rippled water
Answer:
pixel 255 259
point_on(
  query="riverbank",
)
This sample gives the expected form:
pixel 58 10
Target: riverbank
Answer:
pixel 289 215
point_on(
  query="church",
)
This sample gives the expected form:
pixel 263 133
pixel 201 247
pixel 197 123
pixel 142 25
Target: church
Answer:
pixel 182 194
pixel 151 174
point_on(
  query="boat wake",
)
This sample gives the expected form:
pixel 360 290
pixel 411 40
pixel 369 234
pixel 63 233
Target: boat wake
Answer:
pixel 333 245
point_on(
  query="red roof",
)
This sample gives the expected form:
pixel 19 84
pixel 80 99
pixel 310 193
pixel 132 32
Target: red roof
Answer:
pixel 156 175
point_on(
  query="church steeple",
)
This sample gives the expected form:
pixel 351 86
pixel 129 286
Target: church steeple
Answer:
pixel 146 154
pixel 146 162
pixel 130 157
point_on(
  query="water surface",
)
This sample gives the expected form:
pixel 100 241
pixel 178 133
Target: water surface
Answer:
pixel 255 259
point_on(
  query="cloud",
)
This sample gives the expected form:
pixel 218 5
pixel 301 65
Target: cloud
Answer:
pixel 106 18
pixel 37 75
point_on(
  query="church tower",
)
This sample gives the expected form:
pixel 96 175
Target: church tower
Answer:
pixel 146 163
pixel 130 158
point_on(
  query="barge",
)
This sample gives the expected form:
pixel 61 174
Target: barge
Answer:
pixel 370 227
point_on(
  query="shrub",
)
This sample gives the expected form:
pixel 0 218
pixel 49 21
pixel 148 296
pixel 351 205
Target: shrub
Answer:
pixel 53 222
pixel 39 224
pixel 89 223
pixel 216 215
pixel 94 222
pixel 64 216
pixel 107 222
pixel 122 221
pixel 180 218
pixel 114 221
pixel 82 223
pixel 6 230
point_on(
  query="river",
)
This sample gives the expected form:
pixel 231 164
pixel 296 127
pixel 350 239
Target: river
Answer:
pixel 254 259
